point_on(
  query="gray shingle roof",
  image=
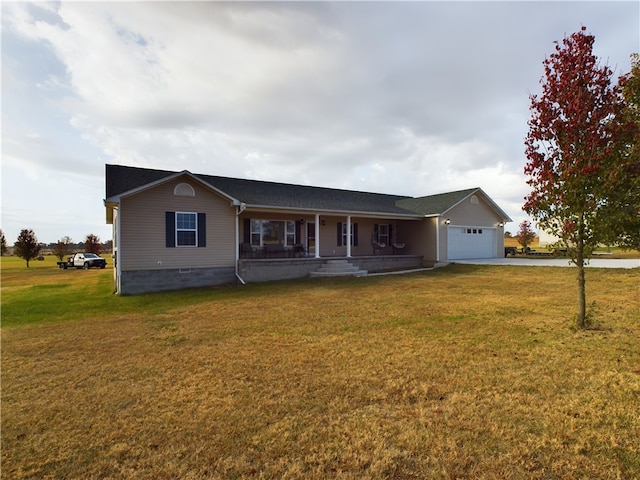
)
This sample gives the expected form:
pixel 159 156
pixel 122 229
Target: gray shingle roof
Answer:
pixel 436 204
pixel 282 195
pixel 122 179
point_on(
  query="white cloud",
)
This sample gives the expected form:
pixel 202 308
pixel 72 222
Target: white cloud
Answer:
pixel 409 98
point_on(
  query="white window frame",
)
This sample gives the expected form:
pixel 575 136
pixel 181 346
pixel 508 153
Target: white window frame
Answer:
pixel 257 231
pixel 344 233
pixel 383 237
pixel 194 230
pixel 289 232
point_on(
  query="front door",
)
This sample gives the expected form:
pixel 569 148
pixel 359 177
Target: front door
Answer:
pixel 311 238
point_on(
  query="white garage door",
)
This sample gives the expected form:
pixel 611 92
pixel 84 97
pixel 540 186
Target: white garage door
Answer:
pixel 471 242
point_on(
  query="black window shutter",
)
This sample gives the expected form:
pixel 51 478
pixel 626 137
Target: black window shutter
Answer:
pixel 355 234
pixel 170 228
pixel 202 230
pixel 390 234
pixel 375 232
pixel 339 239
pixel 246 230
pixel 298 239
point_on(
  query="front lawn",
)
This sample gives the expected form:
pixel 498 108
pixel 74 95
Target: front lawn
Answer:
pixel 460 372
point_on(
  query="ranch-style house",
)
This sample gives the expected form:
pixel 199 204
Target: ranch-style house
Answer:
pixel 174 230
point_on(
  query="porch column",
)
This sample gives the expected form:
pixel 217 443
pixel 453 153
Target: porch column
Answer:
pixel 348 236
pixel 317 252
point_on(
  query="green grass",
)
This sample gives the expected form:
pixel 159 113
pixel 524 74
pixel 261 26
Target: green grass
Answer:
pixel 460 372
pixel 44 293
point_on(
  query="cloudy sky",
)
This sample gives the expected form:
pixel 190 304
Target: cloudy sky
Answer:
pixel 410 98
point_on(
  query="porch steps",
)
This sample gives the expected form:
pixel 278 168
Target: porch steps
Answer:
pixel 338 268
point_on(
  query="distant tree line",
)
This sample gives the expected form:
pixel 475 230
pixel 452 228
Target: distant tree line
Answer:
pixel 28 248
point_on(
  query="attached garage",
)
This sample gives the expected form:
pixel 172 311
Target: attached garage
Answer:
pixel 470 242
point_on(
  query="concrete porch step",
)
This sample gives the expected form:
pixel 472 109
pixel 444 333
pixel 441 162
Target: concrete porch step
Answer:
pixel 338 268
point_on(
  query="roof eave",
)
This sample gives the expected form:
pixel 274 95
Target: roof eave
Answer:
pixel 109 208
pixel 271 208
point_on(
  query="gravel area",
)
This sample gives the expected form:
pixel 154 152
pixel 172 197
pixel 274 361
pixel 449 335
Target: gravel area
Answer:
pixel 553 262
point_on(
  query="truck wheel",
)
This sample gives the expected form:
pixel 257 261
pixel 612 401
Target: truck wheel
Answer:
pixel 86 265
pixel 102 266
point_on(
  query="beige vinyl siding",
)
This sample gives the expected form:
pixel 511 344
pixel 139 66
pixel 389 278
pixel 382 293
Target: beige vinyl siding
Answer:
pixel 329 236
pixel 469 214
pixel 142 229
pixel 420 238
pixel 365 233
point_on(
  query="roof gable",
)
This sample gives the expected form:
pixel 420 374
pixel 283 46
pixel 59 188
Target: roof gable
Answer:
pixel 436 204
pixel 440 204
pixel 128 178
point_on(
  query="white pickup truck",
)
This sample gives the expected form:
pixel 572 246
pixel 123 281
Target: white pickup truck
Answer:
pixel 83 260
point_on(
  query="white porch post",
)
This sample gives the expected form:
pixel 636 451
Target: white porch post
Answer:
pixel 348 236
pixel 317 246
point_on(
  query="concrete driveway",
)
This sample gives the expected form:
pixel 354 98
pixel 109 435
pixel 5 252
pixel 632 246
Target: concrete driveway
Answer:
pixel 553 262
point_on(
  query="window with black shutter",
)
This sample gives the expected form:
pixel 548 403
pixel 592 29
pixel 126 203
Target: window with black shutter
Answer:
pixel 185 229
pixel 342 234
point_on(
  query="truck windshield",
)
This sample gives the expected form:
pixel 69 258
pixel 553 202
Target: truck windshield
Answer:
pixel 90 255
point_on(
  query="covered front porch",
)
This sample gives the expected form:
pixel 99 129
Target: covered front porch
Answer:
pixel 267 235
pixel 293 244
pixel 269 269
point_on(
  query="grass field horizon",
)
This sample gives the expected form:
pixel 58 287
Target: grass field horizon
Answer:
pixel 460 372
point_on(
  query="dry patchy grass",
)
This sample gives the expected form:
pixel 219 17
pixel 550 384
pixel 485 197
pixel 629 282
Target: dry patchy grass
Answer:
pixel 462 372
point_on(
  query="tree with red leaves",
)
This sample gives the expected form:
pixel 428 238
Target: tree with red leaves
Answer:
pixel 92 244
pixel 578 160
pixel 525 235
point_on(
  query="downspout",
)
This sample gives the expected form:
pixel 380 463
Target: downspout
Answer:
pixel 116 251
pixel 241 208
pixel 438 239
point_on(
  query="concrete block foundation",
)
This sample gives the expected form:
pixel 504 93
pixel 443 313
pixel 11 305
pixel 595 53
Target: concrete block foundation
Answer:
pixel 147 281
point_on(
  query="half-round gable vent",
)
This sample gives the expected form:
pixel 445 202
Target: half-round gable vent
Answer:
pixel 473 200
pixel 185 190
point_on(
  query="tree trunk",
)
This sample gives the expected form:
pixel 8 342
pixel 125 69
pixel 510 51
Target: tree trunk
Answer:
pixel 581 320
pixel 582 297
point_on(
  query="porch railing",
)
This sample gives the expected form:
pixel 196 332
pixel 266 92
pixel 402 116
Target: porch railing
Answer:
pixel 272 251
